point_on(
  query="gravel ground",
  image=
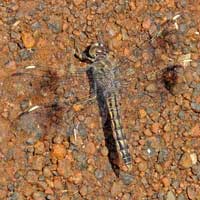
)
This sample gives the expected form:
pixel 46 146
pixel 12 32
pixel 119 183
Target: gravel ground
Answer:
pixel 60 150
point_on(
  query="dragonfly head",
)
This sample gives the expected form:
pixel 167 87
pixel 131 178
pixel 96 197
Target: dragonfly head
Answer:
pixel 98 51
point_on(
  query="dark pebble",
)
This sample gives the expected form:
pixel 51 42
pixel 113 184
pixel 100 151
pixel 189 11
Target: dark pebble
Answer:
pixel 11 187
pixel 24 104
pixel 183 3
pixel 82 130
pixel 175 184
pixel 160 195
pixel 195 107
pixel 162 155
pixel 118 8
pixel 181 197
pixel 11 20
pixel 35 26
pixel 181 115
pixel 178 154
pixel 45 18
pixel 137 52
pixel 50 197
pixel 70 131
pixel 12 46
pixel 38 195
pixel 55 27
pixel 126 178
pixel 196 169
pixel 41 178
pixel 34 139
pixel 196 87
pixel 29 149
pixel 81 160
pixel 15 35
pixel 98 173
pixel 73 147
pixel 32 12
pixel 15 196
pixel 25 54
pixel 149 151
pixel 9 154
pixel 41 6
pixel 183 28
pixel 29 124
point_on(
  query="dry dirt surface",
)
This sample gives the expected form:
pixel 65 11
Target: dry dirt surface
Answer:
pixel 55 144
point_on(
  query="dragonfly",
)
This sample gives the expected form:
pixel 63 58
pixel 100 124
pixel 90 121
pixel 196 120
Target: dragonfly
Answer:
pixel 106 89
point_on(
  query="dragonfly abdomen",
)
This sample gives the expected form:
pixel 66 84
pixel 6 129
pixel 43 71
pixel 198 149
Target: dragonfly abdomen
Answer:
pixel 119 135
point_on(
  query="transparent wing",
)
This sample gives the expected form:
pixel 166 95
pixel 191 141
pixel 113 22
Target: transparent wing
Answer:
pixel 36 98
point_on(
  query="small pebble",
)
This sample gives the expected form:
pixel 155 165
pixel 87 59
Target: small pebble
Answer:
pixel 147 132
pixel 25 54
pixel 77 178
pixel 35 26
pixel 16 196
pixel 47 172
pixel 191 193
pixel 58 151
pixel 82 130
pixel 98 173
pixel 38 163
pixel 195 131
pixel 196 169
pixel 28 40
pixel 126 178
pixel 38 196
pixel 11 187
pixel 142 113
pixel 195 107
pixel 186 160
pixel 64 168
pixel 112 29
pixel 104 151
pixel 167 127
pixel 58 185
pixel 163 155
pixel 55 24
pixel 170 196
pixel 83 190
pixel 58 139
pixel 146 23
pixel 193 158
pixel 142 166
pixel 151 88
pixel 116 189
pixel 126 196
pixel 31 177
pixel 155 128
pixel 183 28
pixel 81 159
pixel 181 197
pixel 77 2
pixel 12 46
pixel 90 148
pixel 39 148
pixel 166 182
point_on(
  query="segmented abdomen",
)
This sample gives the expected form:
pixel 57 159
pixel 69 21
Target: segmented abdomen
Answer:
pixel 120 138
